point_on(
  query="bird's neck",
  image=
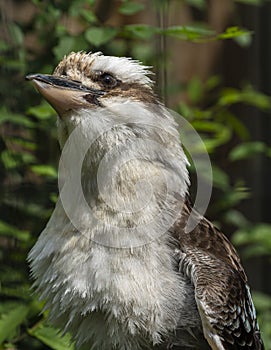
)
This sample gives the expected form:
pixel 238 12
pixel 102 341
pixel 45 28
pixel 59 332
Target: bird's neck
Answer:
pixel 124 177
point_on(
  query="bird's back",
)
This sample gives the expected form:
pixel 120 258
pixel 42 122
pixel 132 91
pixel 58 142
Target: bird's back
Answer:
pixel 221 292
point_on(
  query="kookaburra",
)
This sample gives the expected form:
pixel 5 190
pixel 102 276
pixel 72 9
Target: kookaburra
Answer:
pixel 115 264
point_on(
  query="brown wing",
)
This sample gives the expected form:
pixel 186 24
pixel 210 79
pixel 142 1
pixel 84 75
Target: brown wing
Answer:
pixel 221 291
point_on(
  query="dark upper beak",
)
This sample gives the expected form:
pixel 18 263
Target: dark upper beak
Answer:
pixel 63 93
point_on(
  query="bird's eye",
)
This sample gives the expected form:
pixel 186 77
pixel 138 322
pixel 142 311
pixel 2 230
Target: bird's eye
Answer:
pixel 108 80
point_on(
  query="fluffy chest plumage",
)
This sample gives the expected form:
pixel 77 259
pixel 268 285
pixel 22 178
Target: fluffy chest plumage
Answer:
pixel 119 298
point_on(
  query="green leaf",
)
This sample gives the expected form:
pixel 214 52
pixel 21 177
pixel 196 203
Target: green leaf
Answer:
pixel 61 30
pixel 6 306
pixel 232 198
pixel 67 44
pixel 130 8
pixel 53 197
pixel 3 46
pixel 212 82
pixel 262 301
pixel 254 250
pixel 258 237
pixel 51 337
pixel 213 134
pixel 220 178
pixel 64 46
pixel 44 170
pixel 244 40
pixel 9 159
pixel 229 96
pixel 14 118
pixel 233 32
pixel 195 90
pixel 14 64
pixel 255 98
pixel 15 292
pixel 10 320
pixel 140 31
pixel 142 51
pixel 247 95
pixel 186 111
pixel 23 143
pixel 16 33
pixel 235 124
pixel 88 15
pixel 31 209
pixel 98 36
pixel 43 111
pixel 12 231
pixel 247 150
pixel 28 158
pixel 189 32
pixel 235 217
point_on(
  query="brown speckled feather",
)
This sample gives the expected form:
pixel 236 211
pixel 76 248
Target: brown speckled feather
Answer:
pixel 221 291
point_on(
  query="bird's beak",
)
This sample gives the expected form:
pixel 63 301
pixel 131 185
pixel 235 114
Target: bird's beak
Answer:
pixel 64 94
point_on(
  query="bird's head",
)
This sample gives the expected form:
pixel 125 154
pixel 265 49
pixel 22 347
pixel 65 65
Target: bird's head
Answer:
pixel 85 85
pixel 122 139
pixel 89 81
pixel 98 92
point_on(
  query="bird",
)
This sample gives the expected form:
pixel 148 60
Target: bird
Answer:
pixel 116 265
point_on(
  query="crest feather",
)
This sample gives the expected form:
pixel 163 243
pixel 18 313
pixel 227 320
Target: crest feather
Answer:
pixel 124 68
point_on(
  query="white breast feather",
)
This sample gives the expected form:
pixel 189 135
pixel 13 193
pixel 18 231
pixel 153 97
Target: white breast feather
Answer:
pixel 107 295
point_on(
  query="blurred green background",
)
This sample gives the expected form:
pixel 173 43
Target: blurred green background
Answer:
pixel 212 64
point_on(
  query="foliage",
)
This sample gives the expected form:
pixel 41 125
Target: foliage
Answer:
pixel 29 150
